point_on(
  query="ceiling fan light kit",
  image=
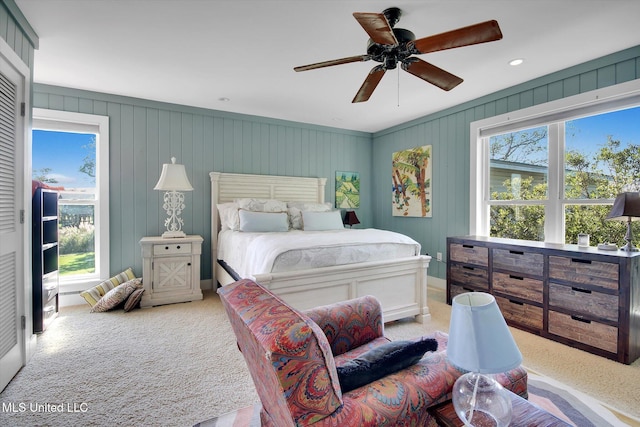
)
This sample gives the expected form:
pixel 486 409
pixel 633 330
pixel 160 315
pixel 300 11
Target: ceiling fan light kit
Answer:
pixel 390 46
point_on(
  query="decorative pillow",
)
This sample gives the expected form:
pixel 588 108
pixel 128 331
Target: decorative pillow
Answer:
pixel 263 221
pixel 318 221
pixel 382 361
pixel 296 208
pixel 93 295
pixel 262 205
pixel 229 218
pixel 116 296
pixel 133 300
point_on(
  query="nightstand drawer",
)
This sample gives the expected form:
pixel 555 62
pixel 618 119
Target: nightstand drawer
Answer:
pixel 468 275
pixel 172 249
pixel 469 254
pixel 584 271
pixel 592 304
pixel 584 331
pixel 526 315
pixel 518 286
pixel 518 261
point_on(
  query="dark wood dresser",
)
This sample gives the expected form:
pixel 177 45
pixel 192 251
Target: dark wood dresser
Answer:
pixel 583 297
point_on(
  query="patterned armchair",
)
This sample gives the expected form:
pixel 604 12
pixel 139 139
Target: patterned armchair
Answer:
pixel 292 358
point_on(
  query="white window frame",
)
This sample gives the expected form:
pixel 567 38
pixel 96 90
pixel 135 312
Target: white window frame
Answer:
pixel 553 114
pixel 66 121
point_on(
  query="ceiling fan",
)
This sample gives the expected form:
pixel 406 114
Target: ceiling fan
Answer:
pixel 390 46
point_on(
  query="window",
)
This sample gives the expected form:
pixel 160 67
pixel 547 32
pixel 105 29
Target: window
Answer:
pixel 550 172
pixel 70 151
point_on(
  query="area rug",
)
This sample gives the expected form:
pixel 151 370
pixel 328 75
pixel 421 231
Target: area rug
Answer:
pixel 575 408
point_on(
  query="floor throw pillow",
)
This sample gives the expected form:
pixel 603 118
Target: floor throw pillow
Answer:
pixel 134 300
pixel 116 296
pixel 93 295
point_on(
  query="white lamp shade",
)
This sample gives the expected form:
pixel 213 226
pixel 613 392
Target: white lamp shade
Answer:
pixel 173 178
pixel 479 338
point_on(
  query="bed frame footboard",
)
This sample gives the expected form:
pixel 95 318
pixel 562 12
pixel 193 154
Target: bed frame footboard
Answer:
pixel 400 285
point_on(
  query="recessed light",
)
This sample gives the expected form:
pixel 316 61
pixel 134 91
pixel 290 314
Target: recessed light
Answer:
pixel 224 99
pixel 515 62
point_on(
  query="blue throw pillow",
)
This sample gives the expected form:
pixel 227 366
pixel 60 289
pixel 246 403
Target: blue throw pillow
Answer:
pixel 382 361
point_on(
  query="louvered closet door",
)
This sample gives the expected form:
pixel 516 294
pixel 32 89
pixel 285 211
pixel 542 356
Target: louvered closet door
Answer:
pixel 11 231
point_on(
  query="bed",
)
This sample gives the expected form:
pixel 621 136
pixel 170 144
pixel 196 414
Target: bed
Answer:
pixel 399 283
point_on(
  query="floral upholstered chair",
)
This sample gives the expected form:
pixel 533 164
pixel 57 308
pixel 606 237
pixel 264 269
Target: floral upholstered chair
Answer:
pixel 294 359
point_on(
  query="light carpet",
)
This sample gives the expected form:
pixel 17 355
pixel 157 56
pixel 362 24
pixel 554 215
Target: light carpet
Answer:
pixel 178 365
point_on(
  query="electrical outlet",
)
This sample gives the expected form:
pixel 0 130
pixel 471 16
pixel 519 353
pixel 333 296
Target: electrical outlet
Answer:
pixel 439 256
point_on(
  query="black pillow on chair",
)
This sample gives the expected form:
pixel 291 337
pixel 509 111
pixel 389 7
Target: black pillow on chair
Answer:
pixel 382 361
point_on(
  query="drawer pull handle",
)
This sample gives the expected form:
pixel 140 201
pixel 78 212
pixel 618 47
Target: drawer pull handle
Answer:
pixel 516 302
pixel 189 264
pixel 580 319
pixel 468 246
pixel 178 246
pixel 166 248
pixel 511 276
pixel 516 252
pixel 582 261
pixel 584 291
pixel 466 267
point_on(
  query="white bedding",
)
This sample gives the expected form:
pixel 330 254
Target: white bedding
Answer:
pixel 257 253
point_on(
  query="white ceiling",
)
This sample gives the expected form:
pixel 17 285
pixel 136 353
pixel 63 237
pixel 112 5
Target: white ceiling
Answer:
pixel 195 52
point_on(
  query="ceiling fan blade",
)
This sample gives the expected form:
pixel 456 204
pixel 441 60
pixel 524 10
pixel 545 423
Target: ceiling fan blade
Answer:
pixel 358 58
pixel 377 26
pixel 430 73
pixel 370 84
pixel 473 34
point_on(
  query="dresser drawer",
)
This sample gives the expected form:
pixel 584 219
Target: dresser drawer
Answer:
pixel 456 290
pixel 584 271
pixel 518 286
pixel 593 304
pixel 471 276
pixel 594 334
pixel 469 254
pixel 526 315
pixel 172 249
pixel 518 261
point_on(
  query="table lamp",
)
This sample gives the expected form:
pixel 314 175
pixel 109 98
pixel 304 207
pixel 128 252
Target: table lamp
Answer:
pixel 480 342
pixel 350 219
pixel 173 180
pixel 626 207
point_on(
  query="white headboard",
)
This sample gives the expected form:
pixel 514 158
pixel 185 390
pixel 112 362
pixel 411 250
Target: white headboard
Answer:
pixel 226 187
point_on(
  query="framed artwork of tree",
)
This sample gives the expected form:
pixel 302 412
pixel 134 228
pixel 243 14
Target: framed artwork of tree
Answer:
pixel 411 182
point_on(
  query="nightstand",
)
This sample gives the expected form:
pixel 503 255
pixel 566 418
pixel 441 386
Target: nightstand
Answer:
pixel 170 270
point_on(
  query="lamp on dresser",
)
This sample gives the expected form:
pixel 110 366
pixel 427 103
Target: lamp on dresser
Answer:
pixel 480 342
pixel 173 181
pixel 626 207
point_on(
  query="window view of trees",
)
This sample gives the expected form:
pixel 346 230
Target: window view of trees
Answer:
pixel 68 161
pixel 601 158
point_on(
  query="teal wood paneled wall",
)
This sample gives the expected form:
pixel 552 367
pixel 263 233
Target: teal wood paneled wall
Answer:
pixel 144 134
pixel 449 132
pixel 17 32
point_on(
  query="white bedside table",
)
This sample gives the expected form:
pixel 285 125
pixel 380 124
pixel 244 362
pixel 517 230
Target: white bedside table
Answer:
pixel 170 270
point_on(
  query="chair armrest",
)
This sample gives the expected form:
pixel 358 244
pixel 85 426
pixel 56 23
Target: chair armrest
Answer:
pixel 349 324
